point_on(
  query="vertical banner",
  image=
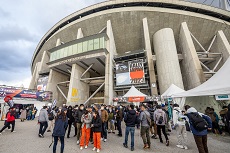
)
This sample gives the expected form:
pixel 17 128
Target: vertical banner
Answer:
pixel 42 83
pixel 131 72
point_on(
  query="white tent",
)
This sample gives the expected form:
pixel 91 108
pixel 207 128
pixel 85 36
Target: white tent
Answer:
pixel 133 92
pixel 173 89
pixel 219 84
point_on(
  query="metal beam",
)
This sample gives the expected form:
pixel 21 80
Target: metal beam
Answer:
pixel 94 93
pixel 217 64
pixel 198 42
pixel 64 82
pixel 95 78
pixel 205 66
pixel 61 92
pixel 86 70
pixel 213 39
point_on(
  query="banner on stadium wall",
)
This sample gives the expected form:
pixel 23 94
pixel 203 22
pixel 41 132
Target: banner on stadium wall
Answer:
pixel 42 83
pixel 131 72
pixel 25 93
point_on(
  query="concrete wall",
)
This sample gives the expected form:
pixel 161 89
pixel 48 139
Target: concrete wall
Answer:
pixel 168 68
pixel 192 71
pixel 78 90
pixel 55 78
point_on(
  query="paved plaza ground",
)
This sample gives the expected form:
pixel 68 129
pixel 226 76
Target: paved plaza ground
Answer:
pixel 26 140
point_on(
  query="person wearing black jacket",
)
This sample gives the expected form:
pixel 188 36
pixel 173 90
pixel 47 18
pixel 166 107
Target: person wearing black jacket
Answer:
pixel 96 127
pixel 78 115
pixel 119 119
pixel 228 118
pixel 70 119
pixel 130 120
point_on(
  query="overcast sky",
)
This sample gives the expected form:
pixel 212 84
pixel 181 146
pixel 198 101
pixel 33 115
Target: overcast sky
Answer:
pixel 22 25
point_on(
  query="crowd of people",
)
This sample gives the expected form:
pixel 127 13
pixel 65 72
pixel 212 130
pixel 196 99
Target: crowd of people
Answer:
pixel 93 123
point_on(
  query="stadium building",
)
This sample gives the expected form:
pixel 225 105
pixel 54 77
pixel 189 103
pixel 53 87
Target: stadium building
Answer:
pixel 99 52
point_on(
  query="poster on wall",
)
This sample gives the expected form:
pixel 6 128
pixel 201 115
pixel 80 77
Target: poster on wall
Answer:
pixel 131 72
pixel 42 83
pixel 25 93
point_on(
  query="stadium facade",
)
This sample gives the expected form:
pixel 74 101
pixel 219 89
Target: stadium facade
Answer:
pixel 99 52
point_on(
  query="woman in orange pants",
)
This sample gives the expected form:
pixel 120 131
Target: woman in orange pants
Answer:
pixel 97 128
pixel 86 120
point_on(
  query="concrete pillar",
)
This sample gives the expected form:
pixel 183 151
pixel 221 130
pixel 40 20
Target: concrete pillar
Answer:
pixel 58 42
pixel 152 76
pixel 45 59
pixel 79 33
pixel 35 76
pixel 55 78
pixel 168 67
pixel 222 45
pixel 193 74
pixel 78 90
pixel 109 65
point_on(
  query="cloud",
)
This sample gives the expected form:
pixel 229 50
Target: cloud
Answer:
pixel 23 23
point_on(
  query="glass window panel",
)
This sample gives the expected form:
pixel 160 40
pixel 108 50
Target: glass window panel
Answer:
pixel 84 48
pixel 70 50
pixel 79 46
pixel 90 45
pixel 102 42
pixel 55 56
pixel 61 53
pixel 65 52
pixel 58 54
pixel 51 56
pixel 96 44
pixel 74 49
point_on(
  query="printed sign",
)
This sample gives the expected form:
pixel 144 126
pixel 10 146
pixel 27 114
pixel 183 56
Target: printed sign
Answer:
pixel 25 93
pixel 42 83
pixel 131 72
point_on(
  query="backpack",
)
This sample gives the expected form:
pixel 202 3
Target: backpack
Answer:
pixel 198 122
pixel 148 119
pixel 51 116
pixel 160 120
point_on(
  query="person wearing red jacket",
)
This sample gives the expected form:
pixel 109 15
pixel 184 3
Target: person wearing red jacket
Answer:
pixel 10 120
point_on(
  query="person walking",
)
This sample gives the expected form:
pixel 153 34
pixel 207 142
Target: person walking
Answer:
pixel 145 126
pixel 23 115
pixel 130 121
pixel 160 119
pixel 199 125
pixel 70 119
pixel 78 116
pixel 111 118
pixel 61 123
pixel 179 124
pixel 43 120
pixel 119 119
pixel 10 120
pixel 51 117
pixel 86 120
pixel 104 119
pixel 96 126
pixel 153 126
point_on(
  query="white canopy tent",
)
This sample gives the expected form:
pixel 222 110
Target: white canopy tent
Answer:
pixel 135 95
pixel 133 92
pixel 219 84
pixel 173 89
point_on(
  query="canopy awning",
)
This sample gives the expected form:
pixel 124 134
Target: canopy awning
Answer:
pixel 219 84
pixel 173 89
pixel 135 95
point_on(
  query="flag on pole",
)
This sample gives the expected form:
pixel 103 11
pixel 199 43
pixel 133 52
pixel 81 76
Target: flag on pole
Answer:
pixel 9 101
pixel 54 104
